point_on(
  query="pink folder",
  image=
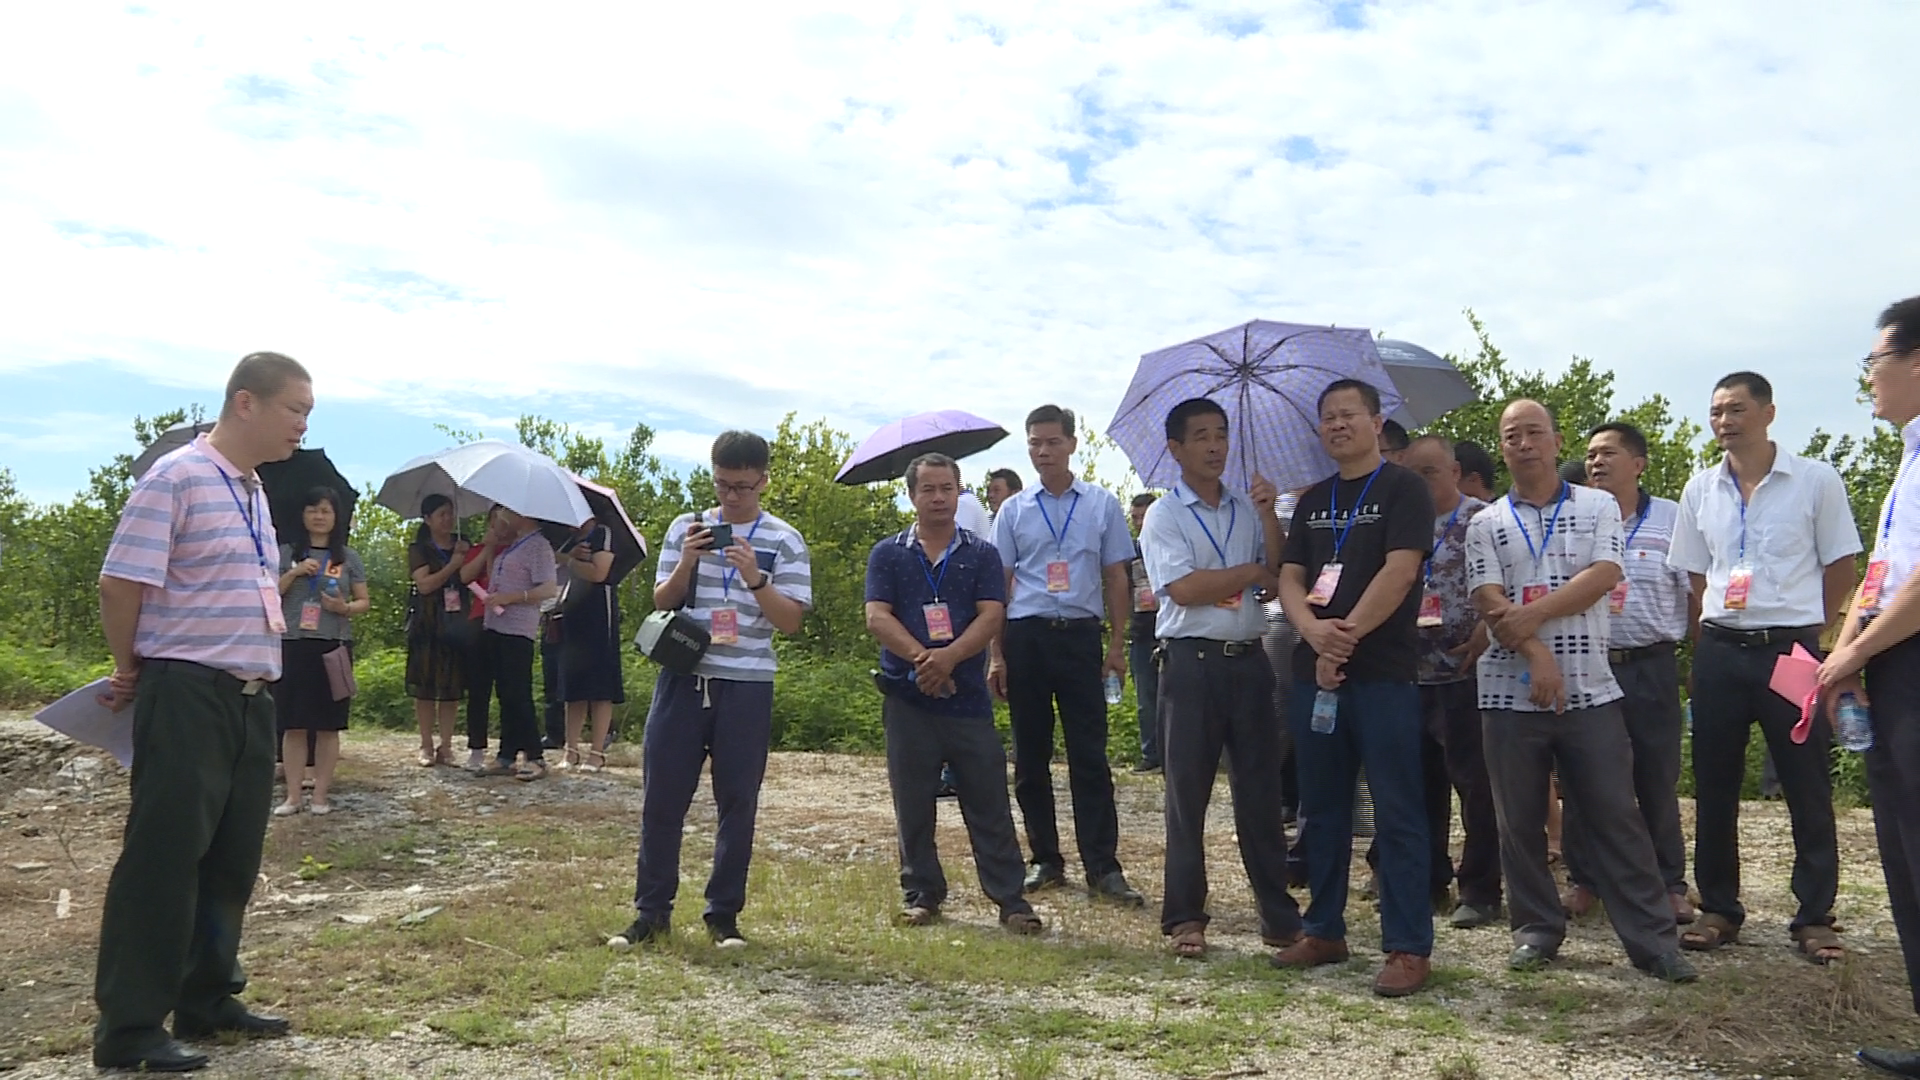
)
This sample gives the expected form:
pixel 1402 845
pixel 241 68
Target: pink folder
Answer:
pixel 1796 677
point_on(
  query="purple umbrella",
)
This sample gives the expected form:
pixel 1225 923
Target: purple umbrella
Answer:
pixel 887 452
pixel 1268 377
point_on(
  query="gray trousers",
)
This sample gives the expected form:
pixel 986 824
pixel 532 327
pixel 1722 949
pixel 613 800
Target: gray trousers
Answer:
pixel 918 740
pixel 1654 725
pixel 1596 770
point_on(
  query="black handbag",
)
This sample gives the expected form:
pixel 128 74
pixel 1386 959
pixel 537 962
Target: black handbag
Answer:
pixel 672 639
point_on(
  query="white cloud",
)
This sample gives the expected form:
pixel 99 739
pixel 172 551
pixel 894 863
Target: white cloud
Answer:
pixel 722 214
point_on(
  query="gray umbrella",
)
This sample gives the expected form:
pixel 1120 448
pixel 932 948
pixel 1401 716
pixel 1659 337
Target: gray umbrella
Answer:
pixel 168 441
pixel 1429 386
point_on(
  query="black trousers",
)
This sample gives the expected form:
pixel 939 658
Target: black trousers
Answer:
pixel 1048 667
pixel 553 689
pixel 1209 702
pixel 1893 778
pixel 918 741
pixel 170 926
pixel 512 659
pixel 479 688
pixel 1453 721
pixel 1730 695
pixel 1654 726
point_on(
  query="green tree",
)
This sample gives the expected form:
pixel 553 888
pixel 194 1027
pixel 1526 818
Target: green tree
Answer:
pixel 1868 464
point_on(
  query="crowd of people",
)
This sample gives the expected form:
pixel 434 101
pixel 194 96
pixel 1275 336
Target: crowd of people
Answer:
pixel 1399 618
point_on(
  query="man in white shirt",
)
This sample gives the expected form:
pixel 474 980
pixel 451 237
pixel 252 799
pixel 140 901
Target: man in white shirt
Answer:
pixel 969 514
pixel 1769 540
pixel 1541 563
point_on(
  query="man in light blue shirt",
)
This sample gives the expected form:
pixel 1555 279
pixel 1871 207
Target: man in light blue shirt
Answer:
pixel 1066 547
pixel 1210 553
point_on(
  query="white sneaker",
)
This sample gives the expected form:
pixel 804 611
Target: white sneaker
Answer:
pixel 476 760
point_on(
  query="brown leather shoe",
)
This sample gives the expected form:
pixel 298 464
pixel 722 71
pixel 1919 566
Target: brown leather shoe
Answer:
pixel 1310 952
pixel 1683 912
pixel 1404 974
pixel 1578 900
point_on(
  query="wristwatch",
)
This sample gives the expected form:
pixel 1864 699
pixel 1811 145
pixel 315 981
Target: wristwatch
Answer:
pixel 766 579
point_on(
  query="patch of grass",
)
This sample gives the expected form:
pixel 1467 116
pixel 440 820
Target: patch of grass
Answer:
pixel 478 1027
pixel 1461 1066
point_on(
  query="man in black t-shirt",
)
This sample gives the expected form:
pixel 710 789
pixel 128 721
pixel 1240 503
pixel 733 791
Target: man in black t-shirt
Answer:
pixel 1347 581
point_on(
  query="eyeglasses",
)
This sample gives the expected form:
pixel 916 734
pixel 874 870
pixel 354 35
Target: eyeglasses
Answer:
pixel 724 489
pixel 1874 359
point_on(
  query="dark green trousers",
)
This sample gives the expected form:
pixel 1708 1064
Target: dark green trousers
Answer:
pixel 202 788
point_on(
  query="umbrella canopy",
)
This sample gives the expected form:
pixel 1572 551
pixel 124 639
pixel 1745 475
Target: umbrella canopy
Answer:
pixel 1268 377
pixel 168 441
pixel 1429 386
pixel 287 483
pixel 887 452
pixel 629 547
pixel 485 472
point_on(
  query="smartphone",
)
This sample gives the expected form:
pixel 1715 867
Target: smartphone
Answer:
pixel 722 536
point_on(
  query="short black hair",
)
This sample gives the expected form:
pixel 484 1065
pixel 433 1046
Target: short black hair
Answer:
pixel 1052 414
pixel 1474 460
pixel 1145 498
pixel 1368 393
pixel 1393 437
pixel 1754 383
pixel 1635 439
pixel 1007 477
pixel 1903 318
pixel 1178 416
pixel 740 450
pixel 264 375
pixel 929 461
pixel 1574 472
pixel 1441 440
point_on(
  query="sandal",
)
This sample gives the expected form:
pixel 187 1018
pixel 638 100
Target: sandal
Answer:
pixel 531 771
pixel 1820 944
pixel 596 761
pixel 443 756
pixel 1023 923
pixel 425 758
pixel 1709 932
pixel 919 915
pixel 1190 940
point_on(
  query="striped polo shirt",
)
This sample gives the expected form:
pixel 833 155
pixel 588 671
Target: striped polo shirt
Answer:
pixel 783 555
pixel 1657 594
pixel 521 566
pixel 184 536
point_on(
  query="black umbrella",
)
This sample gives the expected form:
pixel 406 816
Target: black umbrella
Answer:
pixel 166 443
pixel 287 483
pixel 629 547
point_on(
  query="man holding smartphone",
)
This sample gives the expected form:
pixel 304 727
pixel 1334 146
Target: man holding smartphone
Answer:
pixel 743 574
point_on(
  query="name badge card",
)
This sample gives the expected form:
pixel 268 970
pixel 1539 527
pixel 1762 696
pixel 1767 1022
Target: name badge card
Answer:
pixel 939 622
pixel 270 599
pixel 1531 593
pixel 310 615
pixel 1617 599
pixel 1058 577
pixel 1429 609
pixel 1324 585
pixel 1231 603
pixel 1144 600
pixel 450 599
pixel 725 626
pixel 1873 583
pixel 1739 585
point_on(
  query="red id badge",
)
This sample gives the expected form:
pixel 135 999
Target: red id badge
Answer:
pixel 1324 585
pixel 1739 584
pixel 1530 593
pixel 1873 583
pixel 1144 600
pixel 724 629
pixel 1058 578
pixel 1231 603
pixel 310 615
pixel 939 622
pixel 450 599
pixel 270 599
pixel 1617 599
pixel 1430 614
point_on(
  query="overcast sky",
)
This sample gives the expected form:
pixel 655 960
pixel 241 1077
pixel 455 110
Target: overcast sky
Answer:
pixel 707 215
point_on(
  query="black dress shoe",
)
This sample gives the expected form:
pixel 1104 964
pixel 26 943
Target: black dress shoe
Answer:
pixel 1044 876
pixel 168 1057
pixel 244 1024
pixel 1671 967
pixel 1528 958
pixel 1113 886
pixel 1892 1062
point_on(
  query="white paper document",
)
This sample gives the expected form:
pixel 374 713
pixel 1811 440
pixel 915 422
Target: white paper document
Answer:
pixel 80 717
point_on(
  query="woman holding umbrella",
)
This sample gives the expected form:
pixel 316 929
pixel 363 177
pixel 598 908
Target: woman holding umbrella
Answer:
pixel 439 632
pixel 322 588
pixel 588 614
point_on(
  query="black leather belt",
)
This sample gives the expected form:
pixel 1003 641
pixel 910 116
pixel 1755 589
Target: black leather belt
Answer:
pixel 1203 647
pixel 1639 652
pixel 222 679
pixel 1761 638
pixel 1061 624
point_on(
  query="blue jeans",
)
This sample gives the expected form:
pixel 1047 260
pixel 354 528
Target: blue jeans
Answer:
pixel 1378 727
pixel 1146 693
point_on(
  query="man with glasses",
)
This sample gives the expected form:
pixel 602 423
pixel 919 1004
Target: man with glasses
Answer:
pixel 1769 540
pixel 1066 548
pixel 742 592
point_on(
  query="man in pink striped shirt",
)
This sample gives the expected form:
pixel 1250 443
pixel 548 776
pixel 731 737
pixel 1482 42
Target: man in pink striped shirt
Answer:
pixel 191 611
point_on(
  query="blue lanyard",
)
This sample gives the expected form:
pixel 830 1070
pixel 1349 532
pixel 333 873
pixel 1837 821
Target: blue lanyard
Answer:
pixel 1233 518
pixel 1646 507
pixel 494 577
pixel 1353 515
pixel 946 560
pixel 1513 508
pixel 1442 538
pixel 1742 496
pixel 1060 537
pixel 726 579
pixel 249 512
pixel 1893 495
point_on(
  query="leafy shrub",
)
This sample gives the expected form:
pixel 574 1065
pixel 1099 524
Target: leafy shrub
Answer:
pixel 34 674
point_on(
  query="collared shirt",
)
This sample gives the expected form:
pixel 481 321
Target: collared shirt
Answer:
pixel 971 514
pixel 184 536
pixel 1095 538
pixel 1175 545
pixel 340 576
pixel 1657 592
pixel 522 566
pixel 1283 508
pixel 1796 525
pixel 1446 575
pixel 782 555
pixel 1896 535
pixel 1141 623
pixel 902 575
pixel 1500 551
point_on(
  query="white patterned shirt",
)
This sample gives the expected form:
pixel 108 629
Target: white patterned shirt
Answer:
pixel 1897 528
pixel 1657 594
pixel 1499 553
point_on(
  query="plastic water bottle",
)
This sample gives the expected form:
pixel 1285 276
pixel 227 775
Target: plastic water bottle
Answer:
pixel 1853 727
pixel 1113 688
pixel 1326 710
pixel 1686 715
